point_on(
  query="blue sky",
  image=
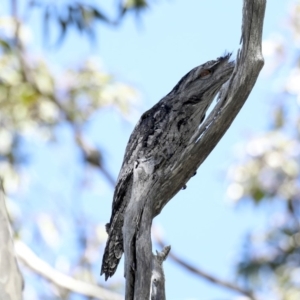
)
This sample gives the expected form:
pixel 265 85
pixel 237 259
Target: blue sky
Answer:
pixel 152 55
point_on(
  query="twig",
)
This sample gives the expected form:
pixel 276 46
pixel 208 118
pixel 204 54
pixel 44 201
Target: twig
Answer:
pixel 93 156
pixel 188 266
pixel 32 261
pixel 157 287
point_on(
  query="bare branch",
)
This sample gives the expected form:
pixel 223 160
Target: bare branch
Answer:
pixel 234 94
pixel 161 157
pixel 11 281
pixel 93 156
pixel 157 291
pixel 32 261
pixel 204 275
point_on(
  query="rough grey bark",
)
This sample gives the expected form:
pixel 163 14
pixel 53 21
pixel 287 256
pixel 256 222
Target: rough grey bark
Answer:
pixel 157 288
pixel 168 145
pixel 11 281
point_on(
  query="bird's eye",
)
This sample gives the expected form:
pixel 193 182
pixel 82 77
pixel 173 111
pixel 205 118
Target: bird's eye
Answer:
pixel 205 73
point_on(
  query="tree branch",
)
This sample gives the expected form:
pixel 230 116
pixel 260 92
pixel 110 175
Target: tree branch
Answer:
pixel 32 261
pixel 157 291
pixel 156 182
pixel 233 95
pixel 204 275
pixel 93 156
pixel 11 281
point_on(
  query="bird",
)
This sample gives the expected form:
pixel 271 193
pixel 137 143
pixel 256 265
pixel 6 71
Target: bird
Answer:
pixel 162 131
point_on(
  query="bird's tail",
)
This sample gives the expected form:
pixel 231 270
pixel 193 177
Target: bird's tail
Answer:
pixel 113 250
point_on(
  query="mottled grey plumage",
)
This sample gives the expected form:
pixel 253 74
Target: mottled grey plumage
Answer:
pixel 160 133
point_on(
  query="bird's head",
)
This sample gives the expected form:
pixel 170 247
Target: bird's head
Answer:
pixel 204 80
